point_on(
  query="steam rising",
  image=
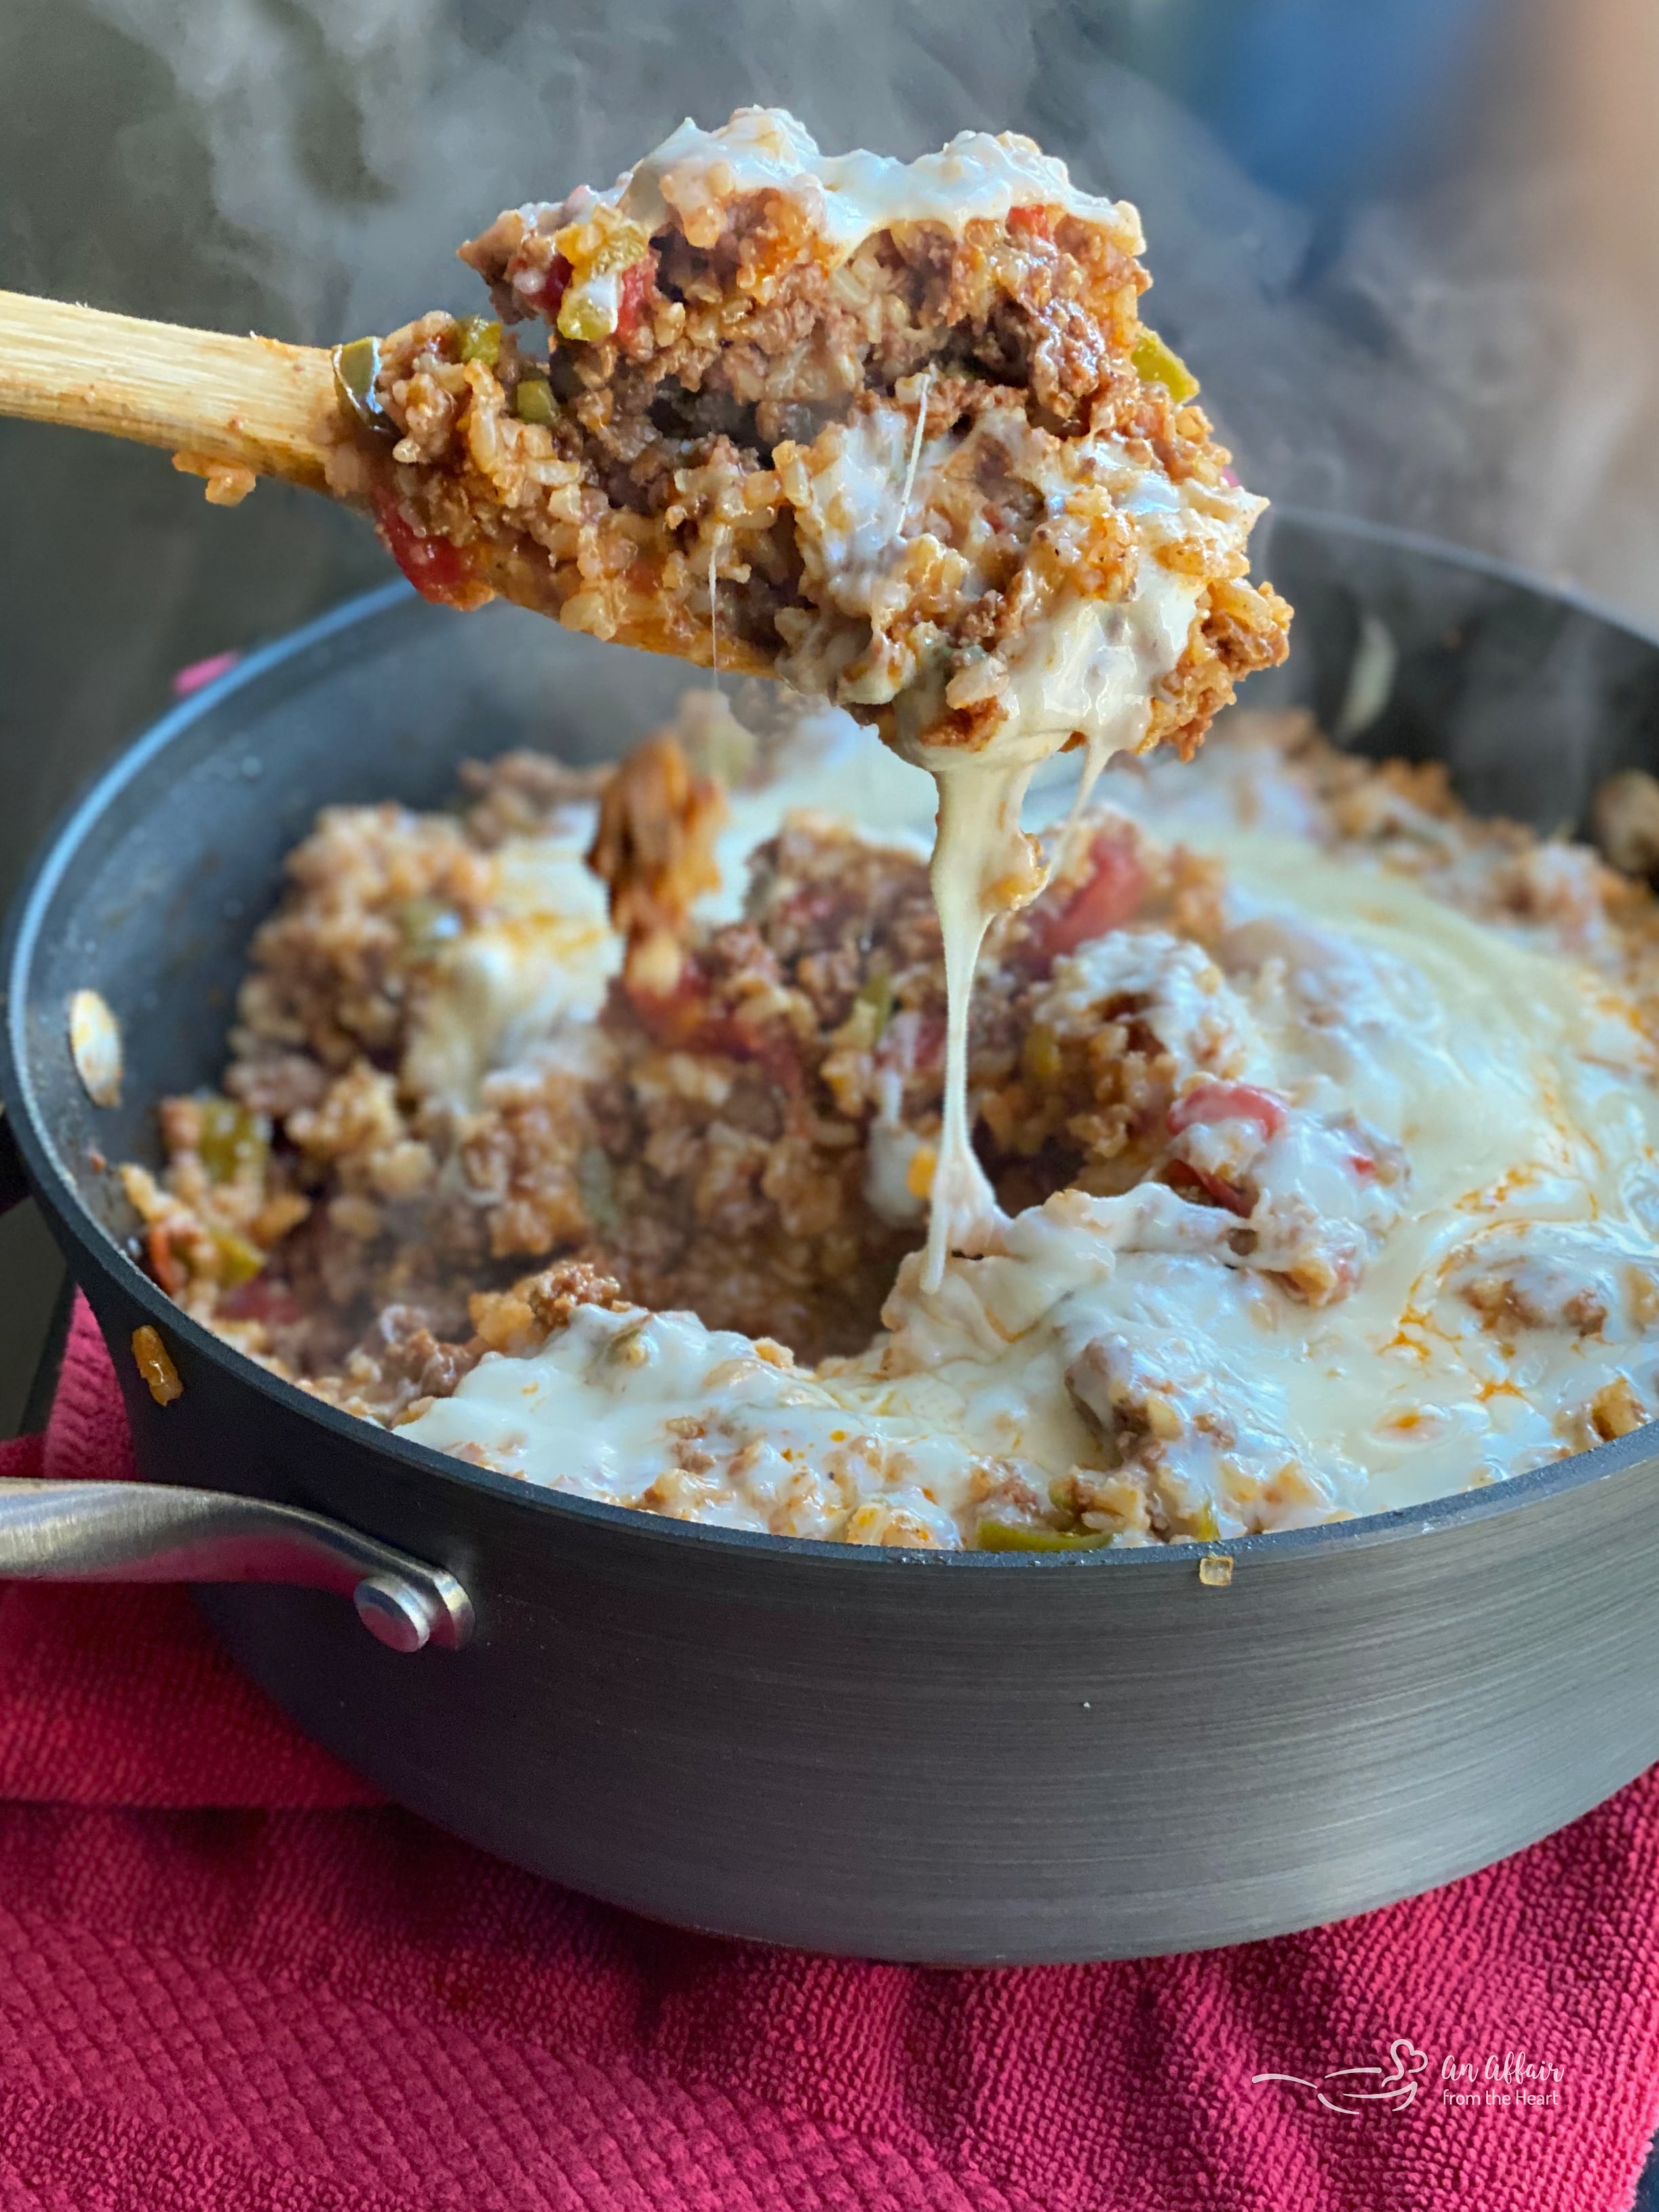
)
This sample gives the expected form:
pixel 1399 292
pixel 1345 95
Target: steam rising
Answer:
pixel 1439 372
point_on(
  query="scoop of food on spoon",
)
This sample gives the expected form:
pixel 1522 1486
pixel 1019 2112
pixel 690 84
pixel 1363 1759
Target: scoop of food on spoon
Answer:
pixel 892 432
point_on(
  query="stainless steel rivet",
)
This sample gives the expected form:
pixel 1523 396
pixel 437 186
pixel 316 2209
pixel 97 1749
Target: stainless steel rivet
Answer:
pixel 392 1613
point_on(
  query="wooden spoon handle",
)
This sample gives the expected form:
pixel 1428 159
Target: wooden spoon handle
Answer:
pixel 247 402
pixel 224 406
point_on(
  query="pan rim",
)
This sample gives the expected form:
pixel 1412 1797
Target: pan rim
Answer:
pixel 55 1188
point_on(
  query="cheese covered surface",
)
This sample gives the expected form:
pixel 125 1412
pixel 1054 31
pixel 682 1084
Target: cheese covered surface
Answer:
pixel 1319 1120
pixel 1450 1259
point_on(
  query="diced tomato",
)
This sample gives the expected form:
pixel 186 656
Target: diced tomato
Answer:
pixel 266 1300
pixel 931 1035
pixel 1105 899
pixel 543 289
pixel 769 1048
pixel 1185 1177
pixel 1363 1166
pixel 1227 1101
pixel 164 1260
pixel 438 569
pixel 680 1020
pixel 638 282
pixel 1032 222
pixel 673 1018
pixel 725 1035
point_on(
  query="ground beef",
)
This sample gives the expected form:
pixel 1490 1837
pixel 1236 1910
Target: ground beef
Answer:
pixel 673 478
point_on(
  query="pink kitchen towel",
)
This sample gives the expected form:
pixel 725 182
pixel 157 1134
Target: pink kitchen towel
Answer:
pixel 230 1980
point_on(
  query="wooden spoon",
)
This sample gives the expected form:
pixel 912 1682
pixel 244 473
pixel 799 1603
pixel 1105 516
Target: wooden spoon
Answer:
pixel 233 409
pixel 241 403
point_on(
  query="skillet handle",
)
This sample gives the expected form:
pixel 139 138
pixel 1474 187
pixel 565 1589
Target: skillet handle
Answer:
pixel 144 1532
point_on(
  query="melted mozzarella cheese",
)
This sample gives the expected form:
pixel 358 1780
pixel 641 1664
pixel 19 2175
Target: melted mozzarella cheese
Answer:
pixel 848 197
pixel 1520 1090
pixel 1084 671
pixel 654 1409
pixel 538 964
pixel 1090 670
pixel 1510 1095
pixel 833 766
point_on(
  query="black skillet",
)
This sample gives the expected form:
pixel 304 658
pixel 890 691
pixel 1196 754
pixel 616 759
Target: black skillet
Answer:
pixel 965 1757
